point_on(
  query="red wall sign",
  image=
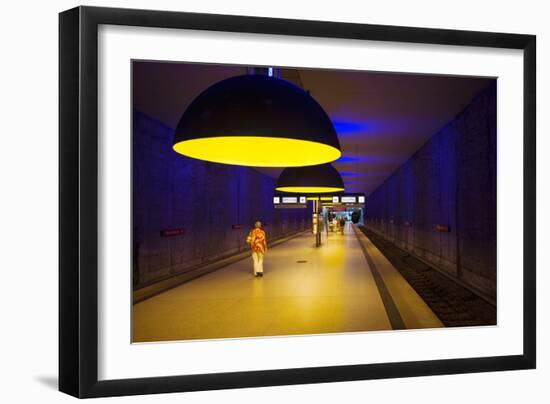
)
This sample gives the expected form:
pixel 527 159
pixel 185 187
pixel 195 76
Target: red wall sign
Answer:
pixel 172 232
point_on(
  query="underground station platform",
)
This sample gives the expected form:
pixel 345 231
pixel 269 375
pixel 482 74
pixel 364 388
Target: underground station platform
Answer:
pixel 347 285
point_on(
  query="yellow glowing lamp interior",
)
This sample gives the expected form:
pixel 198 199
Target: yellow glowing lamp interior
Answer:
pixel 257 151
pixel 309 190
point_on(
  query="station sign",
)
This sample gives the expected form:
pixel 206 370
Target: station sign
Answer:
pixel 349 200
pixel 289 201
pixel 281 201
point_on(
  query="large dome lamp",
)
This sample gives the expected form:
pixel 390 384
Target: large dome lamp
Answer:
pixel 257 120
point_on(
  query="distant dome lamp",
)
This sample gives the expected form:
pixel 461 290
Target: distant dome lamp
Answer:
pixel 310 180
pixel 259 121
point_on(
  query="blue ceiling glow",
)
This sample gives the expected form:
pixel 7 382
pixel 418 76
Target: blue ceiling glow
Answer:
pixel 371 126
pixel 349 174
pixel 344 127
pixel 347 159
pixel 391 159
pixel 380 127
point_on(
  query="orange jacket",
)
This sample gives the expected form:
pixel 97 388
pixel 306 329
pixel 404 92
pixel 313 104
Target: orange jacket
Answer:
pixel 259 242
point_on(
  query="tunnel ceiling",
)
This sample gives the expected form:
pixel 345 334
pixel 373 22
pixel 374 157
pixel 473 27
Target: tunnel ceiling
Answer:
pixel 381 118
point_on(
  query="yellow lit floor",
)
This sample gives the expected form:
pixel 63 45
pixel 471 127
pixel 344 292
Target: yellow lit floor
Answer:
pixel 333 291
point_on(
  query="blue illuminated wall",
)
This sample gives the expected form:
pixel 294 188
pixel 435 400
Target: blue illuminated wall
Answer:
pixel 171 191
pixel 449 181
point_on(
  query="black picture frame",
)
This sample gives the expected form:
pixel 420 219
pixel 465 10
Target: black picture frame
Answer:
pixel 78 201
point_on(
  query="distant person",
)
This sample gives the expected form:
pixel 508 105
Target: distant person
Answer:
pixel 258 245
pixel 342 224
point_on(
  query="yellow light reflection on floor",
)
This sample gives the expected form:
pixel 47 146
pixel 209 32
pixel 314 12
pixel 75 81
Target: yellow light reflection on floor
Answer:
pixel 330 290
pixel 257 151
pixel 304 290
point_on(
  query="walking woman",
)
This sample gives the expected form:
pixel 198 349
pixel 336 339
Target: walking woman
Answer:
pixel 258 245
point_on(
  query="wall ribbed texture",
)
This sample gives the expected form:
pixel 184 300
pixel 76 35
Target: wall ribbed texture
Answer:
pixel 450 181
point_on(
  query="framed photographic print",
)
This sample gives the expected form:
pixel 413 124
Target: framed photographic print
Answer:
pixel 251 201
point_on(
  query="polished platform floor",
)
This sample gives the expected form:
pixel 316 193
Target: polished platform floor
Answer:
pixel 304 290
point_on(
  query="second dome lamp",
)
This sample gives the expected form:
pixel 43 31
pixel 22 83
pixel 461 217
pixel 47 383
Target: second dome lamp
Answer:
pixel 310 180
pixel 257 120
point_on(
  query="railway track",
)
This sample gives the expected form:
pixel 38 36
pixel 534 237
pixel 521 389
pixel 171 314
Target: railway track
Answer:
pixel 455 305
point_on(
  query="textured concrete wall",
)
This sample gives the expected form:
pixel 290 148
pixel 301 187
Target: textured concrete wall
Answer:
pixel 171 191
pixel 450 181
